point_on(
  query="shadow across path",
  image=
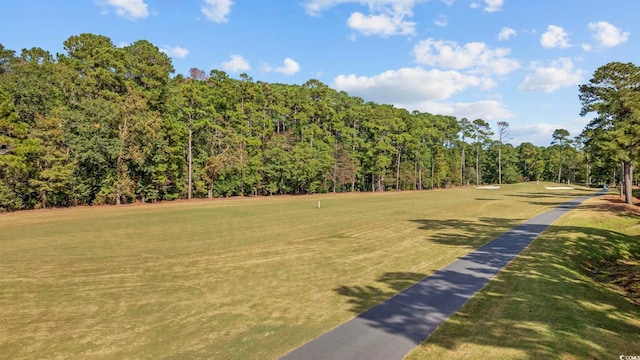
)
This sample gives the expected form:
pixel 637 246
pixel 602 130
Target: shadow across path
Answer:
pixel 392 329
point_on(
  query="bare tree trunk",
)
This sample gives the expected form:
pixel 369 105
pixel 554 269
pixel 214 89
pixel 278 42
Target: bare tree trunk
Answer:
pixel 189 161
pixel 353 177
pixel 242 167
pixel 462 168
pixel 559 173
pixel 398 170
pixel 500 163
pixel 334 177
pixel 120 172
pixel 335 165
pixel 433 172
pixel 627 182
pixel 415 175
pixel 503 131
pixel 620 186
pixel 588 173
pixel 478 165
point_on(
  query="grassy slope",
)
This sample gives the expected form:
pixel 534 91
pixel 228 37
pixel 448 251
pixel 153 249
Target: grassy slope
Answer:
pixel 237 278
pixel 546 304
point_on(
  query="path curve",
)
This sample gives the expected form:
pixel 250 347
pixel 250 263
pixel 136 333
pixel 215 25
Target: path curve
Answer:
pixel 392 329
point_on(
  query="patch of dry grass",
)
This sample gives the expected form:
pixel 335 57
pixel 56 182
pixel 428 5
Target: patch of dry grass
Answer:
pixel 238 278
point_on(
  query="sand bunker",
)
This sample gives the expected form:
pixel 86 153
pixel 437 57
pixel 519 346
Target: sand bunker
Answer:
pixel 490 187
pixel 558 187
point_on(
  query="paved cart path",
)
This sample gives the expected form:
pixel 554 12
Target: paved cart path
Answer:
pixel 394 328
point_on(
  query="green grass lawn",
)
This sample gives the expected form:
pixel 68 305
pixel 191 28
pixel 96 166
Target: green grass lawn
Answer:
pixel 573 294
pixel 242 278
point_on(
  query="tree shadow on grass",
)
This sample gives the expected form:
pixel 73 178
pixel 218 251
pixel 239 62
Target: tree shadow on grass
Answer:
pixel 417 311
pixel 387 285
pixel 613 204
pixel 546 305
pixel 554 194
pixel 543 306
pixel 470 234
pixel 544 200
pixel 560 197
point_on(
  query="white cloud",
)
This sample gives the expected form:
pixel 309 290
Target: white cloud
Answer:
pixel 493 5
pixel 237 63
pixel 541 134
pixel 558 74
pixel 383 24
pixel 506 33
pixel 290 67
pixel 217 10
pixel 316 7
pixel 425 91
pixel 176 52
pixel 607 35
pixel 475 56
pixel 131 9
pixel 489 5
pixel 555 37
pixel 489 110
pixel 409 85
pixel 385 17
pixel 587 47
pixel 441 21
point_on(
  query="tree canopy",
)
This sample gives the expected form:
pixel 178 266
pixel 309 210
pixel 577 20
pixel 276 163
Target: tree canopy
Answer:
pixel 103 124
pixel 613 94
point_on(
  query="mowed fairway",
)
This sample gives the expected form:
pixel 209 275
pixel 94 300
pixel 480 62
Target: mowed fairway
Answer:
pixel 246 278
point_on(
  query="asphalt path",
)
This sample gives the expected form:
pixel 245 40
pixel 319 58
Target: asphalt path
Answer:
pixel 394 328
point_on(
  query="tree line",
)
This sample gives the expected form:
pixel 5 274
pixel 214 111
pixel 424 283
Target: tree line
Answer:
pixel 102 124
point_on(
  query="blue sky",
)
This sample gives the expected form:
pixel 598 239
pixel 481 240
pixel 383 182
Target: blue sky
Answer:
pixel 519 61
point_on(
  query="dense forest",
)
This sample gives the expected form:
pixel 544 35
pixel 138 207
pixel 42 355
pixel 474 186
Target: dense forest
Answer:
pixel 109 125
